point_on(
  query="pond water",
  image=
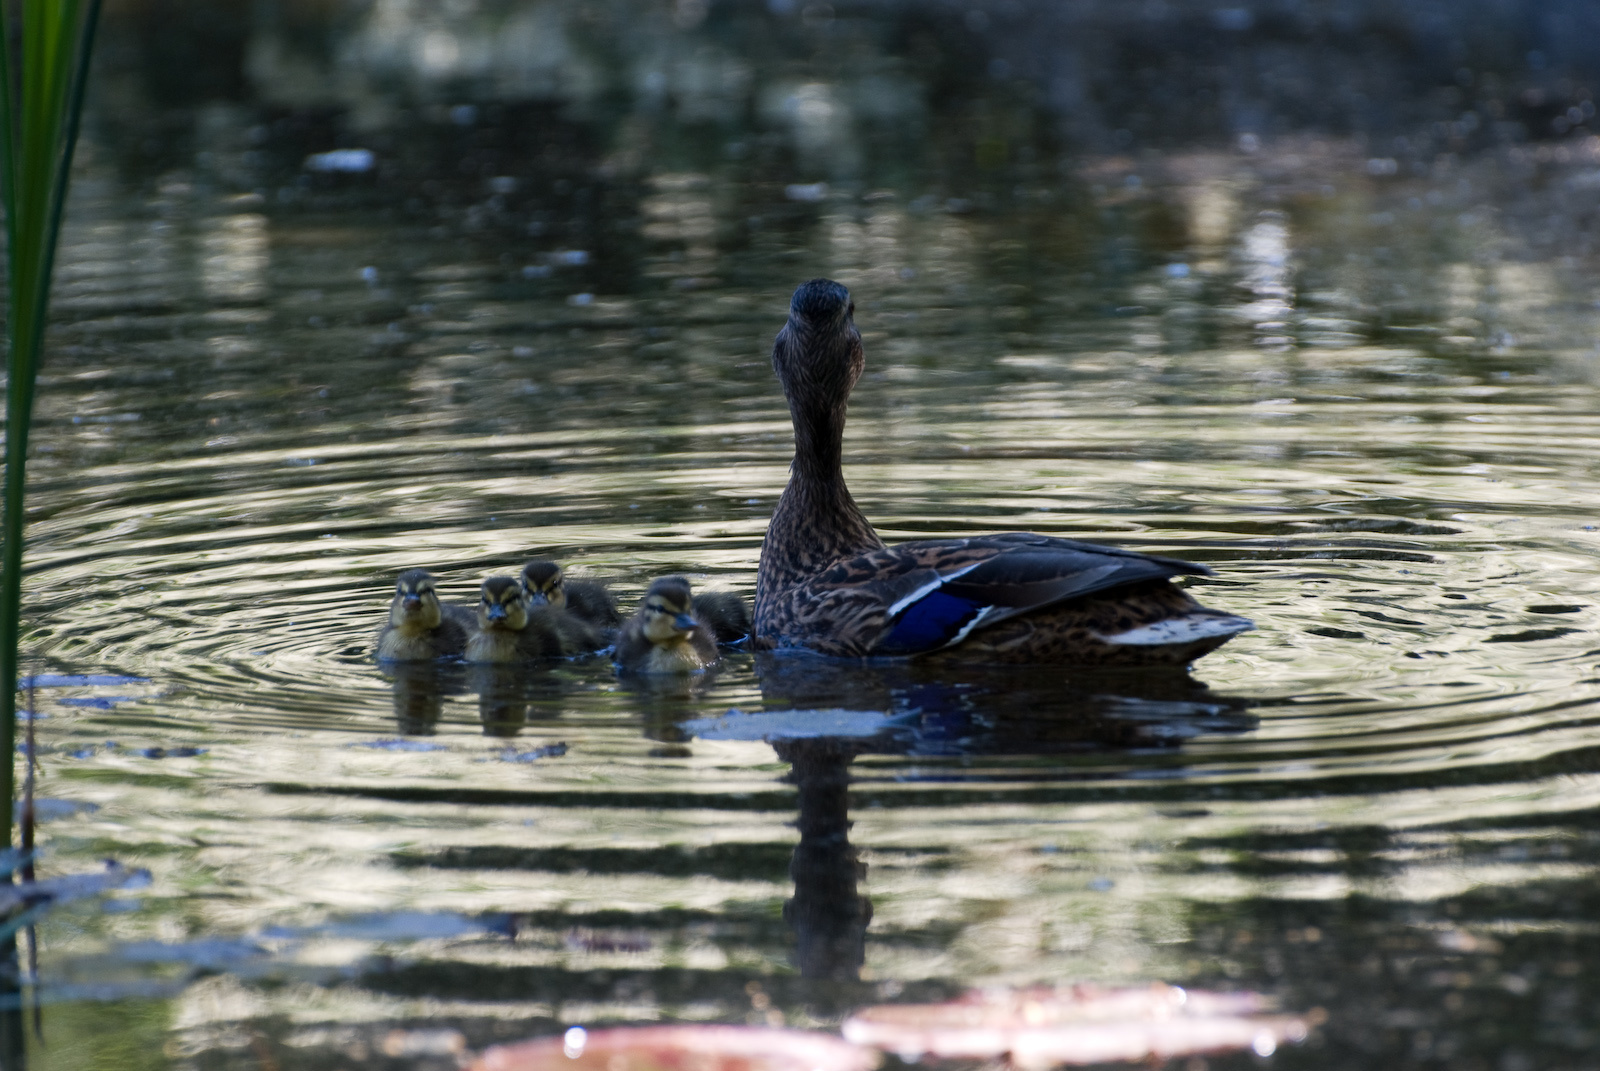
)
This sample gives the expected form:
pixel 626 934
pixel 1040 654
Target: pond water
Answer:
pixel 1363 393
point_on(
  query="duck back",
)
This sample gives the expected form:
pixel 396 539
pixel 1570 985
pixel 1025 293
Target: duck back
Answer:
pixel 724 613
pixel 592 602
pixel 554 633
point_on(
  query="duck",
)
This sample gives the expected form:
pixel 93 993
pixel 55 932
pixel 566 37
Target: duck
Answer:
pixel 664 636
pixel 420 627
pixel 724 613
pixel 826 581
pixel 509 630
pixel 544 582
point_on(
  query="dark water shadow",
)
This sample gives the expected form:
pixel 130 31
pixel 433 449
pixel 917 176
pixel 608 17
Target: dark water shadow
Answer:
pixel 420 689
pixel 1011 710
pixel 907 709
pixel 665 702
pixel 508 694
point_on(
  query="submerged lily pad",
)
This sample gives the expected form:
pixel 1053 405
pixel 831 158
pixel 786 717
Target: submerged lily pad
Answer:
pixel 1052 1027
pixel 681 1048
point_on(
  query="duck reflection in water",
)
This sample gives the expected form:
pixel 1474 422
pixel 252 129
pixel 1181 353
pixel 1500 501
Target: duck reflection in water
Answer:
pixel 828 914
pixel 503 696
pixel 822 714
pixel 420 689
pixel 508 694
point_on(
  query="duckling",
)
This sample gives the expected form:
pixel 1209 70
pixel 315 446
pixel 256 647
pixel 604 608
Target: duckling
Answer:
pixel 509 630
pixel 420 627
pixel 724 613
pixel 664 637
pixel 588 600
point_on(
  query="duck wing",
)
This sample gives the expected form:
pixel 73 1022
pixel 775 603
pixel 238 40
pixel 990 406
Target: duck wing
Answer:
pixel 934 593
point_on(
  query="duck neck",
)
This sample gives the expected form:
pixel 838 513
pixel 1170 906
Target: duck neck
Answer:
pixel 817 522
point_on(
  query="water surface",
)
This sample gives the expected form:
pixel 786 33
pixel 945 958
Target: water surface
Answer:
pixel 1363 398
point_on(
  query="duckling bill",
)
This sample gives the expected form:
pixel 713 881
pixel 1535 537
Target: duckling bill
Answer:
pixel 420 627
pixel 664 636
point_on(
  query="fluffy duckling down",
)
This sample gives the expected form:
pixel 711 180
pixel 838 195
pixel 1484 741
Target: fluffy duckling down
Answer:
pixel 420 627
pixel 509 630
pixel 664 636
pixel 586 601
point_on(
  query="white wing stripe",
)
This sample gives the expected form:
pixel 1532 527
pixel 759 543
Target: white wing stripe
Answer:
pixel 977 619
pixel 931 586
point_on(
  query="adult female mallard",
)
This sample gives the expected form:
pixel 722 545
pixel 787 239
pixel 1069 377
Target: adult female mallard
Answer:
pixel 664 637
pixel 828 583
pixel 420 627
pixel 509 630
pixel 588 600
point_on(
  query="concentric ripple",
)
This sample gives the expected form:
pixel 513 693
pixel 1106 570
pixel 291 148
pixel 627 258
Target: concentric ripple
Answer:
pixel 238 455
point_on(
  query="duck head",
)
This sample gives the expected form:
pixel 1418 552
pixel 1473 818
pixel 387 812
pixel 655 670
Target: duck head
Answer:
pixel 415 602
pixel 666 611
pixel 502 605
pixel 541 584
pixel 818 355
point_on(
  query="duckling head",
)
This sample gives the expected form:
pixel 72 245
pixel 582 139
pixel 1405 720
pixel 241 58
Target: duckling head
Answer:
pixel 541 583
pixel 415 602
pixel 666 611
pixel 818 354
pixel 502 605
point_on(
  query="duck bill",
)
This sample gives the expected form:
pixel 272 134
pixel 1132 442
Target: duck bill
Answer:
pixel 684 623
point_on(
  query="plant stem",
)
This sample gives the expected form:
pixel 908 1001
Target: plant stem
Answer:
pixel 42 80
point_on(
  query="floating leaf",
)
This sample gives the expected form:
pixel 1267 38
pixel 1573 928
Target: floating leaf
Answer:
pixel 680 1048
pixel 1050 1027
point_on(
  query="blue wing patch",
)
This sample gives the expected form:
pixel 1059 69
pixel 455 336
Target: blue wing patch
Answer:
pixel 929 623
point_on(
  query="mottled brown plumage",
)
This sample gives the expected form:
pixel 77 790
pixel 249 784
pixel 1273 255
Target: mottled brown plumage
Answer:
pixel 509 630
pixel 420 627
pixel 587 600
pixel 664 637
pixel 828 583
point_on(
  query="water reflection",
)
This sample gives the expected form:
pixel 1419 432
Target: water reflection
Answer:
pixel 507 694
pixel 1354 375
pixel 828 914
pixel 419 692
pixel 930 711
pixel 1028 710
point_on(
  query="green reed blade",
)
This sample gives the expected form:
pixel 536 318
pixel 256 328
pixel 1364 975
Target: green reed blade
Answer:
pixel 42 77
